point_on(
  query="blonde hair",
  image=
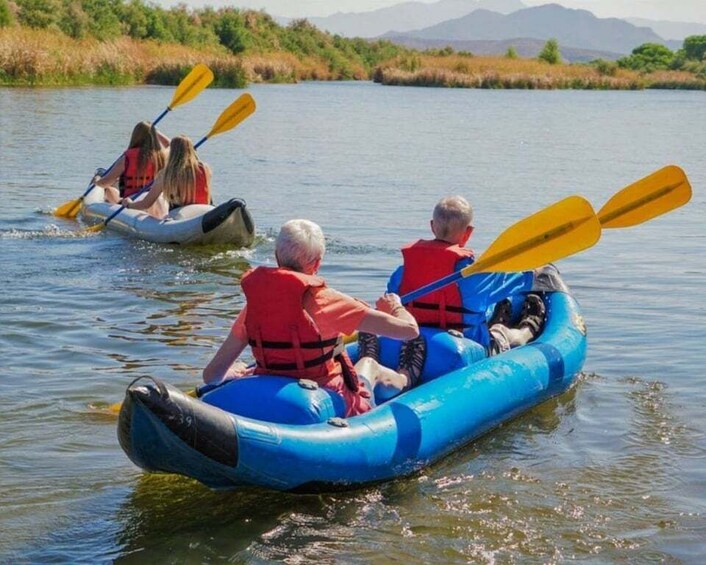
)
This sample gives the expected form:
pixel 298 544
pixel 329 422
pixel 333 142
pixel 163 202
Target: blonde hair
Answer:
pixel 180 172
pixel 144 137
pixel 452 215
pixel 299 243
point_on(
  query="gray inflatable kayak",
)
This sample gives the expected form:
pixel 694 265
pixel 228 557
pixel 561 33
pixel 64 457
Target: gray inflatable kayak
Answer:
pixel 197 224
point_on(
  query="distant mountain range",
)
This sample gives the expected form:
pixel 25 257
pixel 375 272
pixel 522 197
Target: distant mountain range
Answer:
pixel 408 16
pixel 525 48
pixel 490 26
pixel 675 31
pixel 571 28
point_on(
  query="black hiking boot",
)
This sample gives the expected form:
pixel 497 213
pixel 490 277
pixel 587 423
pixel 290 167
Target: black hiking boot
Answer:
pixel 502 314
pixel 533 313
pixel 368 346
pixel 413 354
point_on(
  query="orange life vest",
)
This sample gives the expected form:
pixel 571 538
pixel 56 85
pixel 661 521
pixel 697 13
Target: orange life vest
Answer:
pixel 201 195
pixel 286 341
pixel 133 180
pixel 425 262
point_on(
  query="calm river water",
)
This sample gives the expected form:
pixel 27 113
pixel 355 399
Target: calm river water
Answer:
pixel 612 471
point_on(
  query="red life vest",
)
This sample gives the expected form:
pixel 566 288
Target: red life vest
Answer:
pixel 286 341
pixel 201 195
pixel 133 180
pixel 425 262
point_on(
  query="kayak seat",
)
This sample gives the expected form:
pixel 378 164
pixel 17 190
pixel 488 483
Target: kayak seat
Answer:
pixel 276 399
pixel 445 353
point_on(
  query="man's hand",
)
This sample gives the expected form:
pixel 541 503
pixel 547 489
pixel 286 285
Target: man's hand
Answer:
pixel 389 303
pixel 237 370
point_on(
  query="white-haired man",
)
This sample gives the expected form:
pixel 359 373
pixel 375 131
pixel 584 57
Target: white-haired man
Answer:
pixel 460 306
pixel 294 324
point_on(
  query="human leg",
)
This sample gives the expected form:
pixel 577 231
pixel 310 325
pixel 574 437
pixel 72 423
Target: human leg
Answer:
pixel 387 383
pixel 112 194
pixel 503 338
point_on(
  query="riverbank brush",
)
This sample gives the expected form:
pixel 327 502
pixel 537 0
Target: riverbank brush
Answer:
pixel 31 57
pixel 456 71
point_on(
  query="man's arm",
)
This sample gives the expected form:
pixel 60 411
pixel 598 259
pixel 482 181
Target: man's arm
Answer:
pixel 391 319
pixel 224 364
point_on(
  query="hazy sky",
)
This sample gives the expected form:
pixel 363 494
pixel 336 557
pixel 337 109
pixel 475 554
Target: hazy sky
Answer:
pixel 674 10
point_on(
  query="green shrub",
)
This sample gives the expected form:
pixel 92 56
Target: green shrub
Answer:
pixel 511 53
pixel 550 52
pixel 648 57
pixel 605 68
pixel 6 18
pixel 695 47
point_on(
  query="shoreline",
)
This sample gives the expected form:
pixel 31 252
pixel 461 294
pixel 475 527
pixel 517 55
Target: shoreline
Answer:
pixel 44 58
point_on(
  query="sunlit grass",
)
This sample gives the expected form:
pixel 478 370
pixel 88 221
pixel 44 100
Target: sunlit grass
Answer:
pixel 502 72
pixel 47 58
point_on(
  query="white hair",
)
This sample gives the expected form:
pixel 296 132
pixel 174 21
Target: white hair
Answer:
pixel 299 243
pixel 452 215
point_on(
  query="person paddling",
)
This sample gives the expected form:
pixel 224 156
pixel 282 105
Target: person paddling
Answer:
pixel 461 306
pixel 138 166
pixel 184 180
pixel 294 324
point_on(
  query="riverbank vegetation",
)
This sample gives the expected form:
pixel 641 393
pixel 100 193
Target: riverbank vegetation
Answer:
pixel 73 42
pixel 52 42
pixel 646 67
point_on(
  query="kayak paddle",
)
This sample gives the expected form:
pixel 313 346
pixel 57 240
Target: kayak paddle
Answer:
pixel 656 194
pixel 233 115
pixel 652 196
pixel 190 87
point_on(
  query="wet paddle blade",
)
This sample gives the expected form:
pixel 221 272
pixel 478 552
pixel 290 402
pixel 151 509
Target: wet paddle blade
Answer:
pixel 191 85
pixel 68 209
pixel 233 115
pixel 561 230
pixel 94 229
pixel 652 196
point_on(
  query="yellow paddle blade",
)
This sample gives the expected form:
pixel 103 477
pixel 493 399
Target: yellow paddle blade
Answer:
pixel 652 196
pixel 560 230
pixel 243 107
pixel 191 85
pixel 94 229
pixel 68 209
pixel 115 408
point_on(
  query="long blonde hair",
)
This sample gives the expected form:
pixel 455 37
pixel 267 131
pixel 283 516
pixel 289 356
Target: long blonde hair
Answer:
pixel 180 172
pixel 144 137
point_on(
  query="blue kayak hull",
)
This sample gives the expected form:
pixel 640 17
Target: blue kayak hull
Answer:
pixel 162 429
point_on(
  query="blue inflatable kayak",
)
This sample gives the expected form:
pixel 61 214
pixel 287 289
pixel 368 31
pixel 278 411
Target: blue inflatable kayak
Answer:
pixel 284 434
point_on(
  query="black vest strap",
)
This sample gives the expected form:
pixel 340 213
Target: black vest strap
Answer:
pixel 289 345
pixel 293 366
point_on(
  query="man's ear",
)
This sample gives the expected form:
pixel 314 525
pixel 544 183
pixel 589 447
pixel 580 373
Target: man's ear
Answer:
pixel 313 267
pixel 466 235
pixel 431 225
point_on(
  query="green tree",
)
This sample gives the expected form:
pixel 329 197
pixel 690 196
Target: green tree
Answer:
pixel 6 17
pixel 511 53
pixel 695 47
pixel 230 30
pixel 648 57
pixel 103 21
pixel 39 13
pixel 550 52
pixel 74 21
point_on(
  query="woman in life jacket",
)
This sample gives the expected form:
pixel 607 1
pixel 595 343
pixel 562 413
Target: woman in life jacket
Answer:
pixel 294 324
pixel 138 166
pixel 184 180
